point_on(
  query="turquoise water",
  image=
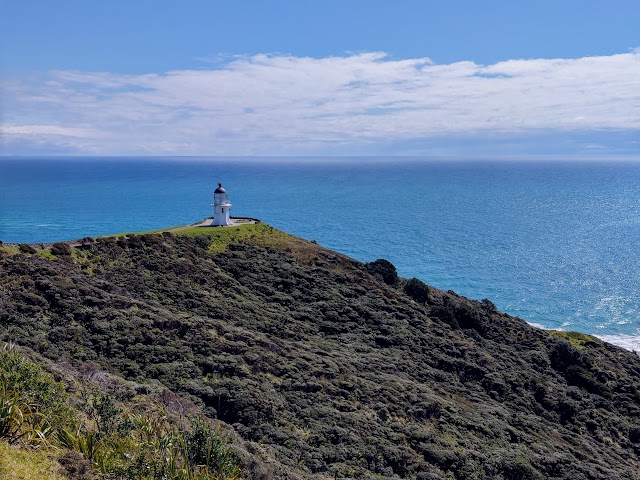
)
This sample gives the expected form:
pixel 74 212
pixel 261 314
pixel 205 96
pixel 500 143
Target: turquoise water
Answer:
pixel 552 242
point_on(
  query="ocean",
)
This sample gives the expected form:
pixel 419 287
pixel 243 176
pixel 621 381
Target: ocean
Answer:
pixel 553 242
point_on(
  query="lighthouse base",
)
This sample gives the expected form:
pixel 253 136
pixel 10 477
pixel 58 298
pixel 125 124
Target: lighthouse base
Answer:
pixel 233 222
pixel 221 222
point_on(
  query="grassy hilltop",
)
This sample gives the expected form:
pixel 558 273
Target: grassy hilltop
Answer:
pixel 298 362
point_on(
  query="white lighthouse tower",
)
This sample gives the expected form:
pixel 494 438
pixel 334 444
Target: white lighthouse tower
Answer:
pixel 221 207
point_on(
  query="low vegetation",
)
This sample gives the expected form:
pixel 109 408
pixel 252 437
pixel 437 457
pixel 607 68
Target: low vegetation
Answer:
pixel 218 239
pixel 314 364
pixel 97 438
pixel 18 463
pixel 577 339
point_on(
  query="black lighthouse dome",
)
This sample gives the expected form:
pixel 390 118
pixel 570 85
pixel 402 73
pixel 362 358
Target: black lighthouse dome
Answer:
pixel 220 189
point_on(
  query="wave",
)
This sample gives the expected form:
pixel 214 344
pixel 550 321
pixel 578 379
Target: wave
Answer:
pixel 628 342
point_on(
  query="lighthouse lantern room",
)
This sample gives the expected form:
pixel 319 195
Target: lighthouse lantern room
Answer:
pixel 221 207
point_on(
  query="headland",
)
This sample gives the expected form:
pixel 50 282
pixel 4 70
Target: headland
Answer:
pixel 302 356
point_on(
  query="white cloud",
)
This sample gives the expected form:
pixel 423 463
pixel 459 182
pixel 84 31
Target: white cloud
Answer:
pixel 266 104
pixel 46 130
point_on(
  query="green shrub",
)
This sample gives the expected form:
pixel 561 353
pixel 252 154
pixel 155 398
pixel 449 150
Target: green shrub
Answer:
pixel 202 241
pixel 106 240
pixel 583 378
pixel 35 386
pixel 384 270
pixel 445 314
pixel 469 317
pixel 562 355
pixel 206 448
pixel 101 408
pixel 518 468
pixel 61 249
pixel 32 404
pixel 488 305
pixel 26 248
pixel 417 289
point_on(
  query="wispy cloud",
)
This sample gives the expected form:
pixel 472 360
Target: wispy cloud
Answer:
pixel 279 104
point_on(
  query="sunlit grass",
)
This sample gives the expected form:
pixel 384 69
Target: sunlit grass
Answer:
pixel 577 339
pixel 261 234
pixel 46 254
pixel 27 464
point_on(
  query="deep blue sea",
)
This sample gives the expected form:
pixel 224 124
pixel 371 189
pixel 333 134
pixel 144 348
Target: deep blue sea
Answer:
pixel 553 242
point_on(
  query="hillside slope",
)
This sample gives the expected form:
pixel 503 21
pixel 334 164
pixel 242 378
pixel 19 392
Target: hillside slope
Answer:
pixel 329 367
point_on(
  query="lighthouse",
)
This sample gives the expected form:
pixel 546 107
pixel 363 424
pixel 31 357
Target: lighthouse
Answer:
pixel 221 207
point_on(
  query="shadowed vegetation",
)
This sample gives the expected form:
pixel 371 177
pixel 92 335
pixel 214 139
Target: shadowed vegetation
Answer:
pixel 325 367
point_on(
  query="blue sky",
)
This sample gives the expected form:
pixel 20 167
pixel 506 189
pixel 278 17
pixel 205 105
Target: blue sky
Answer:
pixel 313 78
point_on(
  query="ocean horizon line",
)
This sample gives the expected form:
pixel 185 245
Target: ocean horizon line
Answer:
pixel 632 158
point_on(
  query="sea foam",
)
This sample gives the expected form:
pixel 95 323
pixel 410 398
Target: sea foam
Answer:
pixel 629 342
